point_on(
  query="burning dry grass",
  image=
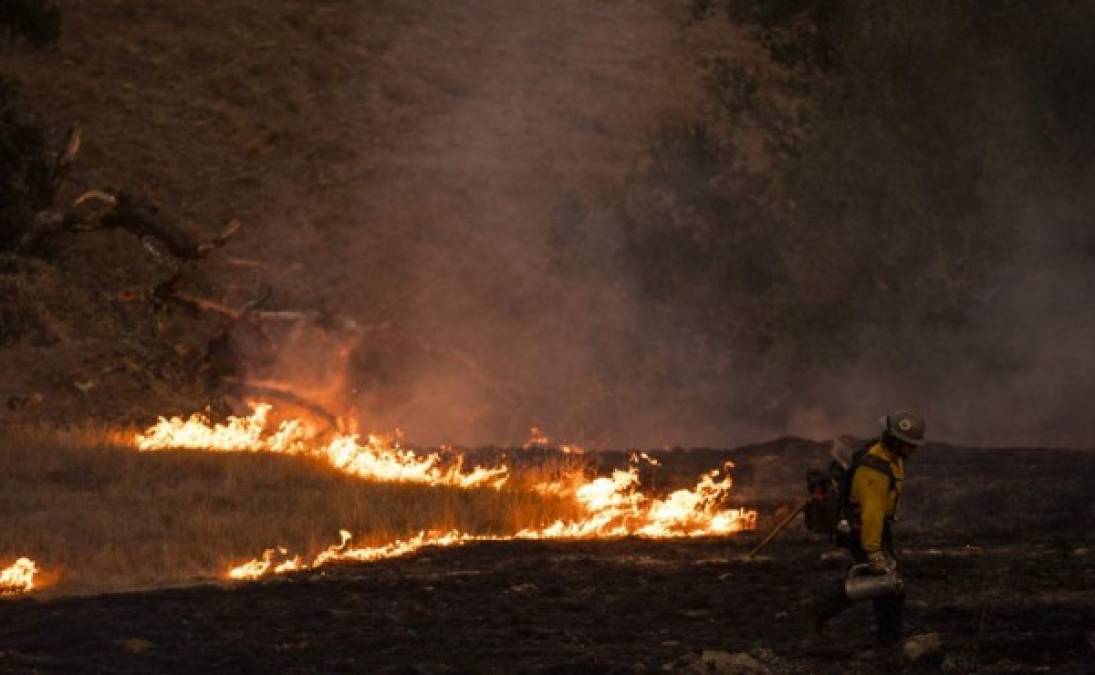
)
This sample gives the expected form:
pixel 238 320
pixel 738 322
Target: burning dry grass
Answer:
pixel 373 457
pixel 99 514
pixel 96 515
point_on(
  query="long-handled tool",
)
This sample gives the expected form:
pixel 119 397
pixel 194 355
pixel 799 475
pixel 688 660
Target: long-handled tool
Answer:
pixel 778 528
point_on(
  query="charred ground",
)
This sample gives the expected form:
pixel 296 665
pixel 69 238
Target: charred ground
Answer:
pixel 1007 579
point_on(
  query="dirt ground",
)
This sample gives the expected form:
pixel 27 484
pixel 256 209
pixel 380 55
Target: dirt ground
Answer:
pixel 1008 582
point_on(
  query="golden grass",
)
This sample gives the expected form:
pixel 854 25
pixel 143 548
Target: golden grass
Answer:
pixel 97 515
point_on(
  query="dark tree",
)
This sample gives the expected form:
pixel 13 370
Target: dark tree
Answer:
pixel 26 163
pixel 863 191
pixel 26 169
pixel 36 21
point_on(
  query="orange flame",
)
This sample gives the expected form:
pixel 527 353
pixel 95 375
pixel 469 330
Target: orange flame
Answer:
pixel 375 457
pixel 341 551
pixel 610 506
pixel 613 507
pixel 536 439
pixel 19 578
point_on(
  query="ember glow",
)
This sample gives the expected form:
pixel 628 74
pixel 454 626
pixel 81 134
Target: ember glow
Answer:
pixel 19 578
pixel 538 439
pixel 375 457
pixel 612 507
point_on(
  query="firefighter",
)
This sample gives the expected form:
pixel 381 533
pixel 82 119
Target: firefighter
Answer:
pixel 873 501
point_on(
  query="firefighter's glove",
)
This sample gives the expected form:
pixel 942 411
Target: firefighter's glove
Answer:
pixel 881 563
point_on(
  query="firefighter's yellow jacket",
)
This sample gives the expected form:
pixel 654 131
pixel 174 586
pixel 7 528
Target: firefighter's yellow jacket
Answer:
pixel 877 499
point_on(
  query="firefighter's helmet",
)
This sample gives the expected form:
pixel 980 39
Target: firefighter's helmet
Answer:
pixel 906 426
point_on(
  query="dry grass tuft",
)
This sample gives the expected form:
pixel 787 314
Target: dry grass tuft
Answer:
pixel 102 516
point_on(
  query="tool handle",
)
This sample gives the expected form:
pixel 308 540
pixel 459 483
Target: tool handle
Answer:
pixel 778 528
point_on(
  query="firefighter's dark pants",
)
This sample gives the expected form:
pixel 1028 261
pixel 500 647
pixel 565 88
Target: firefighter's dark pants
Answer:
pixel 888 610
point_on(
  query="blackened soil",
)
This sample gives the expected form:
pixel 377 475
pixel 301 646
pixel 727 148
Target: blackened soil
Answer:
pixel 624 606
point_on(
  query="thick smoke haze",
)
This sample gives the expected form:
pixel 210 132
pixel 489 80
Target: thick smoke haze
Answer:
pixel 547 247
pixel 548 119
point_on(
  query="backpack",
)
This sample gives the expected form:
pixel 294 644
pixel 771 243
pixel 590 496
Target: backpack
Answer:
pixel 829 510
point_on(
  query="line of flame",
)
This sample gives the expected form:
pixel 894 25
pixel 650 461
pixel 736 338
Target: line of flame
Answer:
pixel 613 508
pixel 375 457
pixel 19 578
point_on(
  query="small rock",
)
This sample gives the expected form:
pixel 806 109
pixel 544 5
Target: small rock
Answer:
pixel 770 660
pixel 923 647
pixel 523 588
pixel 834 555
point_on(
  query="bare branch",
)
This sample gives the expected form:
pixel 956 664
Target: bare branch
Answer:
pixel 283 392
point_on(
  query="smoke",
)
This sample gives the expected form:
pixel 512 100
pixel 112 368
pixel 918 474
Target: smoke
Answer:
pixel 968 163
pixel 1021 376
pixel 495 275
pixel 535 118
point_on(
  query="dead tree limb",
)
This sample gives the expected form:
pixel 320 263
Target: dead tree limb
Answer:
pixel 282 392
pixel 51 221
pixel 204 304
pixel 169 291
pixel 145 220
pixel 160 235
pixel 64 161
pixel 46 225
pixel 97 195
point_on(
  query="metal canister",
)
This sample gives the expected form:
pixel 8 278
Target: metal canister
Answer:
pixel 865 584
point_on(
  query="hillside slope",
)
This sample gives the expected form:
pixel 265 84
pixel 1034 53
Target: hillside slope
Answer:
pixel 399 164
